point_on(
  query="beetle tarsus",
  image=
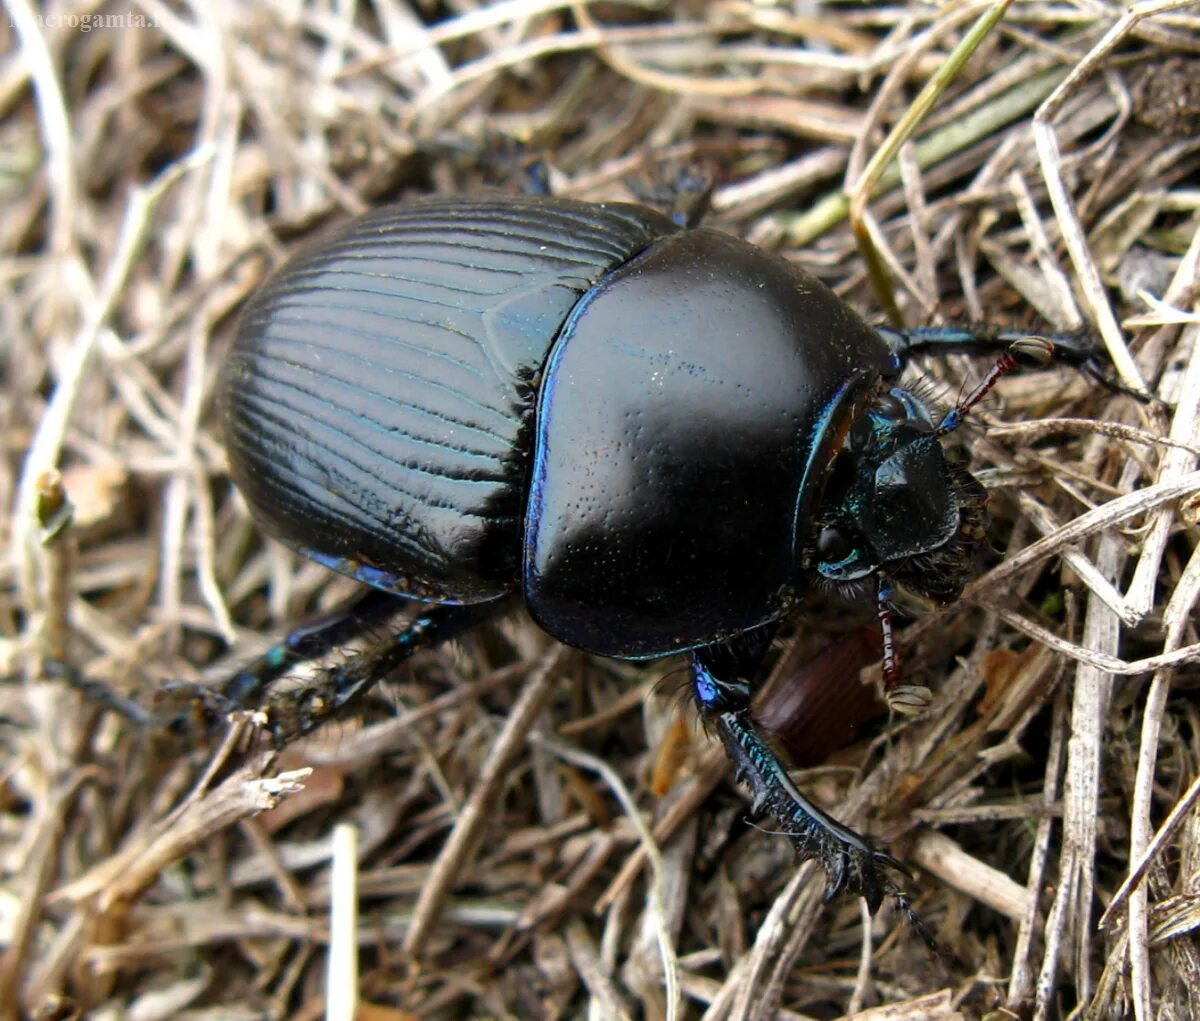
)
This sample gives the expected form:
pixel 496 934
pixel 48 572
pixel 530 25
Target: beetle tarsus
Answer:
pixel 97 691
pixel 904 906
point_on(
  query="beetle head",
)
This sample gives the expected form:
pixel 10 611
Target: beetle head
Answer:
pixel 895 504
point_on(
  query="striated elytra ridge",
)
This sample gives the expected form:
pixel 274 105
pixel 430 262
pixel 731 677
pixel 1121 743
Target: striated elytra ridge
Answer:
pixel 378 399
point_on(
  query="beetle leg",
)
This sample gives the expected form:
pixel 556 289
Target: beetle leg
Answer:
pixel 686 197
pixel 535 177
pixel 1077 347
pixel 98 692
pixel 849 860
pixel 311 640
pixel 694 187
pixel 294 712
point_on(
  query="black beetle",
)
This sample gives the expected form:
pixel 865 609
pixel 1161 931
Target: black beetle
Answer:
pixel 659 437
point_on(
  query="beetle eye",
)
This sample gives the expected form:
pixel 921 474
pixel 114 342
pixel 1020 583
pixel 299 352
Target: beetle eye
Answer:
pixel 886 417
pixel 889 407
pixel 832 545
pixel 899 407
pixel 841 559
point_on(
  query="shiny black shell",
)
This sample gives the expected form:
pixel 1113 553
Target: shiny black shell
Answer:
pixel 378 399
pixel 687 418
pixel 628 422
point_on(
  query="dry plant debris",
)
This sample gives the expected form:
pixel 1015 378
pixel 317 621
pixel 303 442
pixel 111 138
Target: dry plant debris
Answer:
pixel 160 156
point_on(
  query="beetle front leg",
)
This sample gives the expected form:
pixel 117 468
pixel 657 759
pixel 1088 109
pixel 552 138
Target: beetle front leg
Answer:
pixel 1078 348
pixel 1075 347
pixel 849 860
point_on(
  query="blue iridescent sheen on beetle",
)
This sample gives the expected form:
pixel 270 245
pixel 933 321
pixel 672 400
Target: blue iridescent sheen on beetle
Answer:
pixel 657 438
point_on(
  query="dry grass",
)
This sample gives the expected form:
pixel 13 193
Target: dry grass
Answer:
pixel 153 175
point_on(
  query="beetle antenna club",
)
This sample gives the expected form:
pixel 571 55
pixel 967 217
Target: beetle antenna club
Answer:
pixel 1030 346
pixel 467 402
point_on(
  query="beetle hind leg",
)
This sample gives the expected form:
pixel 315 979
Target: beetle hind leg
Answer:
pixel 292 712
pixel 850 862
pixel 309 641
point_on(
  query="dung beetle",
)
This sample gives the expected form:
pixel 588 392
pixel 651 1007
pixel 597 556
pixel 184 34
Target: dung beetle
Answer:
pixel 659 438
